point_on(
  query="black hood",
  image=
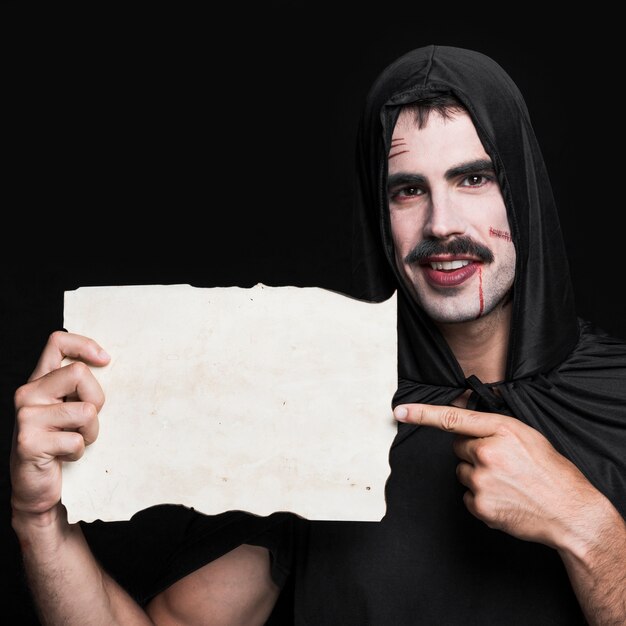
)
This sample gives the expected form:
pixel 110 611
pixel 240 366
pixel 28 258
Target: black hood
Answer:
pixel 564 377
pixel 544 324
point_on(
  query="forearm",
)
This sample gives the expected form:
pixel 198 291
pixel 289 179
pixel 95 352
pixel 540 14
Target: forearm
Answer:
pixel 597 571
pixel 67 583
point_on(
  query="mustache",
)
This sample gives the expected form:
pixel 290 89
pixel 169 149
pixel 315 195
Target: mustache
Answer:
pixel 460 245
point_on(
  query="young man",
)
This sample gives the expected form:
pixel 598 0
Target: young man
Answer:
pixel 507 496
pixel 513 515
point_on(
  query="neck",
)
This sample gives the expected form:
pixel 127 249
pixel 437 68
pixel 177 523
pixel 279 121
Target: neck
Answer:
pixel 480 346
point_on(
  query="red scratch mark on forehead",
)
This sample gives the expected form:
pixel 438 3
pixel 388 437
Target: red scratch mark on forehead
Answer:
pixel 500 234
pixel 396 143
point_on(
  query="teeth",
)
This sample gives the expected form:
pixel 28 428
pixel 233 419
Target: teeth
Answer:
pixel 449 265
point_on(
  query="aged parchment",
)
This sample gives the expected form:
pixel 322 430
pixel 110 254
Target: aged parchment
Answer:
pixel 263 399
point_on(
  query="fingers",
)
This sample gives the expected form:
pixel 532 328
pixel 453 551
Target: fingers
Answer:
pixel 56 418
pixel 477 501
pixel 464 473
pixel 59 430
pixel 463 447
pixel 75 379
pixel 451 419
pixel 45 436
pixel 60 345
pixel 469 499
pixel 466 476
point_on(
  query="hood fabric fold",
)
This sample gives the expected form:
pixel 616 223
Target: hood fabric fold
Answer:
pixel 563 377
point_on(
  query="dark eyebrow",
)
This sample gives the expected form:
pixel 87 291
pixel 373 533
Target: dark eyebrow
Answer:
pixel 404 178
pixel 472 167
pixel 464 169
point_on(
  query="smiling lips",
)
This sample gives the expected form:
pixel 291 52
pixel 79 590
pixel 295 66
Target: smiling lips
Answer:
pixel 447 272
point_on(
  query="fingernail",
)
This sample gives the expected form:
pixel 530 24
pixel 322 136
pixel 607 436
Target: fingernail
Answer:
pixel 400 413
pixel 103 355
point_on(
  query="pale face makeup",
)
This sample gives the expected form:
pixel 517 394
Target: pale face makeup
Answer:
pixel 450 230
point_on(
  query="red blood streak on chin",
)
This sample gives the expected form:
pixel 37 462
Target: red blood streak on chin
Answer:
pixel 481 295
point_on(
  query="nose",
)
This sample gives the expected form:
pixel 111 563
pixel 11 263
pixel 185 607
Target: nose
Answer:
pixel 444 218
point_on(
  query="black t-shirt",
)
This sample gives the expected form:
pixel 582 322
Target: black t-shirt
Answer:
pixel 429 561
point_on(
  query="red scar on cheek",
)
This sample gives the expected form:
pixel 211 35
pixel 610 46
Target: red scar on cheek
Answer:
pixel 501 234
pixel 396 143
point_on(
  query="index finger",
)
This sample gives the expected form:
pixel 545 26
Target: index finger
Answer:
pixel 60 345
pixel 450 418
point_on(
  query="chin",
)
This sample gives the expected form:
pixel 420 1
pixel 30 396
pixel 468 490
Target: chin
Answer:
pixel 448 311
pixel 454 319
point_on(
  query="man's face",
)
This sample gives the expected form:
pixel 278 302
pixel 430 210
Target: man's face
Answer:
pixel 450 229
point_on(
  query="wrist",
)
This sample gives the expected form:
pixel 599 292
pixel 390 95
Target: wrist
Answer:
pixel 588 535
pixel 36 527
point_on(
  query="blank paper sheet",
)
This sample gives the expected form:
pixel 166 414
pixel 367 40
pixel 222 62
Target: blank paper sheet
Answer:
pixel 258 399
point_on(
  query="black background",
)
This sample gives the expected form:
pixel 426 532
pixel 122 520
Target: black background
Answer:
pixel 171 145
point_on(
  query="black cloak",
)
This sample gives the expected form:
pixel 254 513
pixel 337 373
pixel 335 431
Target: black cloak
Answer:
pixel 429 561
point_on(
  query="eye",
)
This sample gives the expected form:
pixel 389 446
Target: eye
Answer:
pixel 411 191
pixel 476 180
pixel 406 192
